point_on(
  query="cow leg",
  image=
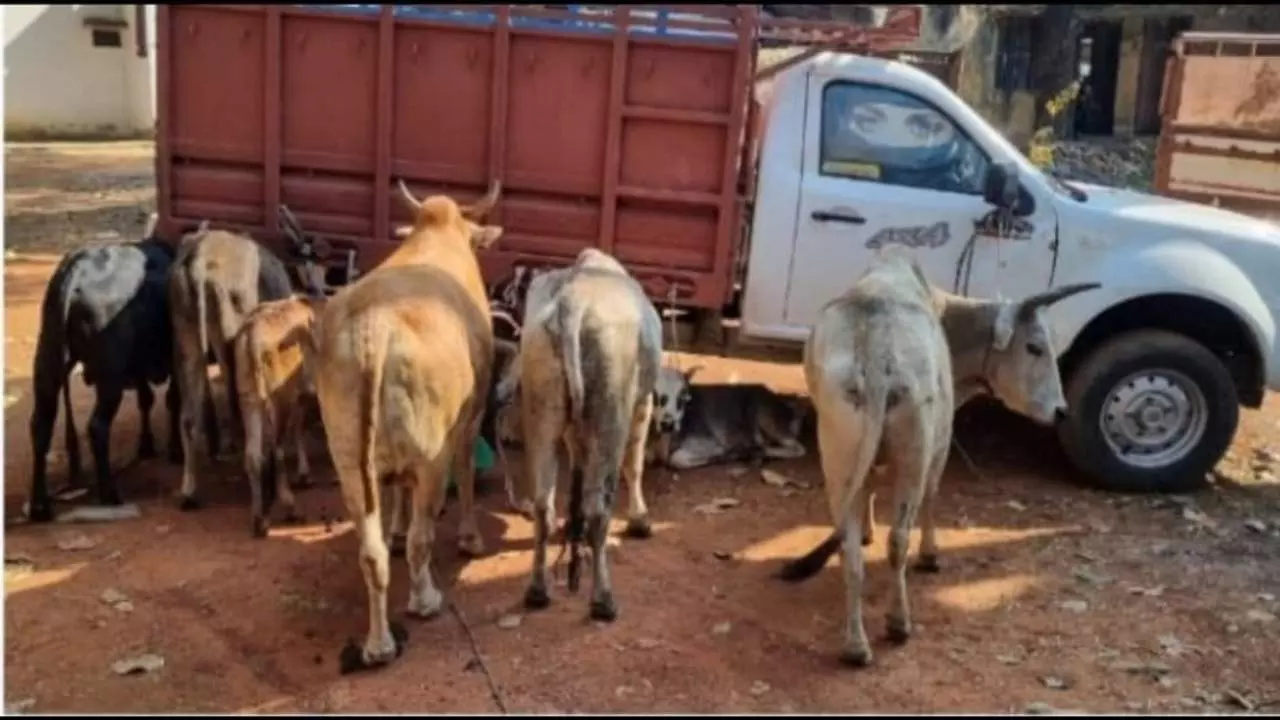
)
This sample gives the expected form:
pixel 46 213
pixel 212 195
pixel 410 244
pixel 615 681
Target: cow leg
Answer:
pixel 866 500
pixel 523 506
pixel 385 641
pixel 464 472
pixel 784 449
pixel 146 400
pixel 428 496
pixel 43 416
pixel 283 492
pixel 396 532
pixel 597 505
pixel 193 374
pixel 173 402
pixel 695 452
pixel 298 425
pixel 908 489
pixel 928 559
pixel 838 463
pixel 633 468
pixel 110 393
pixel 542 468
pixel 72 442
pixel 256 470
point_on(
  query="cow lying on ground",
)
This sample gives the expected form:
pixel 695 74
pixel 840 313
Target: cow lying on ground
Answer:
pixel 272 381
pixel 217 279
pixel 590 350
pixel 716 423
pixel 879 367
pixel 106 308
pixel 402 361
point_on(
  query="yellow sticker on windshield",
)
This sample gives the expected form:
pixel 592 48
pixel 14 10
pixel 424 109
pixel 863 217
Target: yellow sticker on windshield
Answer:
pixel 867 171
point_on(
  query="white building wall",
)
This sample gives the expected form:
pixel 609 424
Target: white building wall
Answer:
pixel 57 82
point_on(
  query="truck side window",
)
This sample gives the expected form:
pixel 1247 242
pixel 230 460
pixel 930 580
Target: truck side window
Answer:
pixel 875 133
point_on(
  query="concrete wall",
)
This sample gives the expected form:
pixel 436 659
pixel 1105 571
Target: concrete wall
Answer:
pixel 57 84
pixel 1013 113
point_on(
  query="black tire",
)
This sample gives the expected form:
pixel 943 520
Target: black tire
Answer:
pixel 1093 380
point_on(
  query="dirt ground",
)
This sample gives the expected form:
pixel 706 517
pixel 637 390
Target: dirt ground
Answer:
pixel 1051 595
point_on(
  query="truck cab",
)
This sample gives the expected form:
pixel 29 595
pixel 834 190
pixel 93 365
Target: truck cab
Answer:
pixel 858 153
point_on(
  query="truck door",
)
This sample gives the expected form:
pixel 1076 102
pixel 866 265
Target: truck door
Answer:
pixel 881 167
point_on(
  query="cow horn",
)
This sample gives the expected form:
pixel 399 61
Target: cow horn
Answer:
pixel 409 200
pixel 481 207
pixel 152 221
pixel 1045 299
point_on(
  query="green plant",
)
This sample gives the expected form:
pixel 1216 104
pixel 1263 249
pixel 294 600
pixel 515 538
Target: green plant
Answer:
pixel 1040 147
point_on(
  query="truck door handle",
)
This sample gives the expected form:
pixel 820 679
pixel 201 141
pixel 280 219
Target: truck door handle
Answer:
pixel 827 216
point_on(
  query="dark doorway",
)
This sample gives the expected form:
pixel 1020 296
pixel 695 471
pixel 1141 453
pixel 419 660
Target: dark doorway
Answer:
pixel 1099 60
pixel 1157 37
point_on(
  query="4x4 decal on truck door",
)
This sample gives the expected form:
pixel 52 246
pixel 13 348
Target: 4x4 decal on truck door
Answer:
pixel 920 236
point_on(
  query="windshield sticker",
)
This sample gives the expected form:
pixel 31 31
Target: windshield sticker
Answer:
pixel 920 236
pixel 860 170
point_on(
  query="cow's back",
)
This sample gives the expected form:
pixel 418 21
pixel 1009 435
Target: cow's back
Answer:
pixel 883 330
pixel 432 346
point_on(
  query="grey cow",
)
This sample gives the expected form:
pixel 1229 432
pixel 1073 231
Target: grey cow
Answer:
pixel 886 365
pixel 590 351
pixel 217 279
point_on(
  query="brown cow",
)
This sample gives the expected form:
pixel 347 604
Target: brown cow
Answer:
pixel 403 359
pixel 271 379
pixel 217 278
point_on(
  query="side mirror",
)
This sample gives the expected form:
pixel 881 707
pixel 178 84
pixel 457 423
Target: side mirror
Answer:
pixel 1001 186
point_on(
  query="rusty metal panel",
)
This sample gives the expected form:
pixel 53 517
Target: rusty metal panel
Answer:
pixel 617 126
pixel 1220 141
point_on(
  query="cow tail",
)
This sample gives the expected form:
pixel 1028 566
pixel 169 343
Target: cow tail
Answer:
pixel 370 408
pixel 202 307
pixel 569 319
pixel 808 565
pixel 52 353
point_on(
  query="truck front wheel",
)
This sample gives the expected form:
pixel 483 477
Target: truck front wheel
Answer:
pixel 1149 411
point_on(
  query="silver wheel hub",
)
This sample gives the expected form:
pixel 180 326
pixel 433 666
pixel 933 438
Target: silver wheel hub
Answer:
pixel 1154 418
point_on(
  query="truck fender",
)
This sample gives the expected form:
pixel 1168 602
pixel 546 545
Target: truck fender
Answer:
pixel 1179 267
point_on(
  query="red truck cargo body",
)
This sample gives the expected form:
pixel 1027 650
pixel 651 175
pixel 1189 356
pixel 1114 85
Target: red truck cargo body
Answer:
pixel 619 129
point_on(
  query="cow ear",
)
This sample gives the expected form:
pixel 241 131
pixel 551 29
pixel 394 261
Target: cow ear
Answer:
pixel 1002 333
pixel 482 236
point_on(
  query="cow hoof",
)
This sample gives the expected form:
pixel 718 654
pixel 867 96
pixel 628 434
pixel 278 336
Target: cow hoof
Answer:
pixel 536 598
pixel 260 527
pixel 293 517
pixel 400 634
pixel 928 564
pixel 189 503
pixel 40 512
pixel 604 609
pixel 855 658
pixel 639 528
pixel 899 631
pixel 352 657
pixel 397 546
pixel 426 605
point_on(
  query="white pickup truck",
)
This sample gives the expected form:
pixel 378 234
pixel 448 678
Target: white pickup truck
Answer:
pixel 859 152
pixel 629 129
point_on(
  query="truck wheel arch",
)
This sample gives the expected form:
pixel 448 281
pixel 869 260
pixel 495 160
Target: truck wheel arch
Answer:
pixel 1212 324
